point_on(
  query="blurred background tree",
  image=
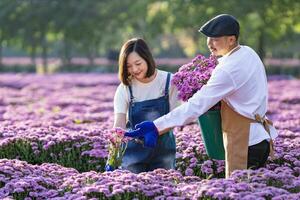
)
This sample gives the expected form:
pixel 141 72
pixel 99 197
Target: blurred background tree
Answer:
pixel 98 28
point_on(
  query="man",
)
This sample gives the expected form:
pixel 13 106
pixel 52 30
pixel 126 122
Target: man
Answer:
pixel 239 82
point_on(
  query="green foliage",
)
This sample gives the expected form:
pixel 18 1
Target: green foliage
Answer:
pixel 20 195
pixel 18 68
pixel 68 154
pixel 293 71
pixel 92 28
pixel 125 195
pixel 87 68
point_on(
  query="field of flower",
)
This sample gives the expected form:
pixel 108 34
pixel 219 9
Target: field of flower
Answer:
pixel 54 135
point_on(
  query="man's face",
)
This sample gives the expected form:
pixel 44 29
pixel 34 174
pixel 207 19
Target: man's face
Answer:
pixel 220 46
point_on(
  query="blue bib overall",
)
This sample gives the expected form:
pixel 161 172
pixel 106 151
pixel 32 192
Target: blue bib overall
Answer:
pixel 138 158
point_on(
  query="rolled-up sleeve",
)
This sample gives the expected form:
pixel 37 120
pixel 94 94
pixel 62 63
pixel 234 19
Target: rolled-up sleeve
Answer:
pixel 218 87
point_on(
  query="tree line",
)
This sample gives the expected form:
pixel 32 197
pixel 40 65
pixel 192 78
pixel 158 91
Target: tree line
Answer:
pixel 91 28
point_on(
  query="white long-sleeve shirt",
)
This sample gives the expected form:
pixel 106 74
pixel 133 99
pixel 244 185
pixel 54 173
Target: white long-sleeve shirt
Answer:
pixel 240 80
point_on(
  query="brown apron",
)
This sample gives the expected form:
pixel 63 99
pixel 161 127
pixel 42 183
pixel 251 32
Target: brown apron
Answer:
pixel 236 130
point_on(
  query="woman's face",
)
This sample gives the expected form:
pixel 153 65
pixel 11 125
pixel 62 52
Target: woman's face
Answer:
pixel 137 67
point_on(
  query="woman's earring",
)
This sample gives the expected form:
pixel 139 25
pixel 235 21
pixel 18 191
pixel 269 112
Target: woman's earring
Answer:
pixel 129 78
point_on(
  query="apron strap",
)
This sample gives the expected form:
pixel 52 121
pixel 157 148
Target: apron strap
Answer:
pixel 167 84
pixel 266 123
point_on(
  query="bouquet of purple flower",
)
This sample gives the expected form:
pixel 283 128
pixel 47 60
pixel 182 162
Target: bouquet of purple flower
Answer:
pixel 116 149
pixel 189 79
pixel 192 76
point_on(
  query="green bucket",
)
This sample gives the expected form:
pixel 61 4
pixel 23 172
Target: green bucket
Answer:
pixel 210 124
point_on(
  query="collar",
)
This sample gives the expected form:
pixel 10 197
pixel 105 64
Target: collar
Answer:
pixel 233 50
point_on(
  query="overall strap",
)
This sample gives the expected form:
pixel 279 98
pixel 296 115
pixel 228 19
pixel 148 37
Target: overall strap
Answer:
pixel 130 92
pixel 131 104
pixel 167 84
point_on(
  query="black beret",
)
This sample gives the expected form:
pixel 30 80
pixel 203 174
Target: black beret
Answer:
pixel 221 25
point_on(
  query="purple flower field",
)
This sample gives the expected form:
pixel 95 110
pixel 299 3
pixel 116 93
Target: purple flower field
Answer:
pixel 54 132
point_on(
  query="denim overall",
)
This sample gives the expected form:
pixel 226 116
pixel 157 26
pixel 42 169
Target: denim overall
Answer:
pixel 138 158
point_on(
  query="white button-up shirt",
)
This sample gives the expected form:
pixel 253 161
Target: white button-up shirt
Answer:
pixel 240 80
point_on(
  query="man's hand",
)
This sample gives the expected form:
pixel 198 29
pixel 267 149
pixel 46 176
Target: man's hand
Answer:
pixel 145 130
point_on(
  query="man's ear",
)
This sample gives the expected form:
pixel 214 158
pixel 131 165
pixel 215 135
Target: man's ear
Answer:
pixel 232 40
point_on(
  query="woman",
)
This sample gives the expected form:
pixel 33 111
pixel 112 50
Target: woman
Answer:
pixel 145 93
